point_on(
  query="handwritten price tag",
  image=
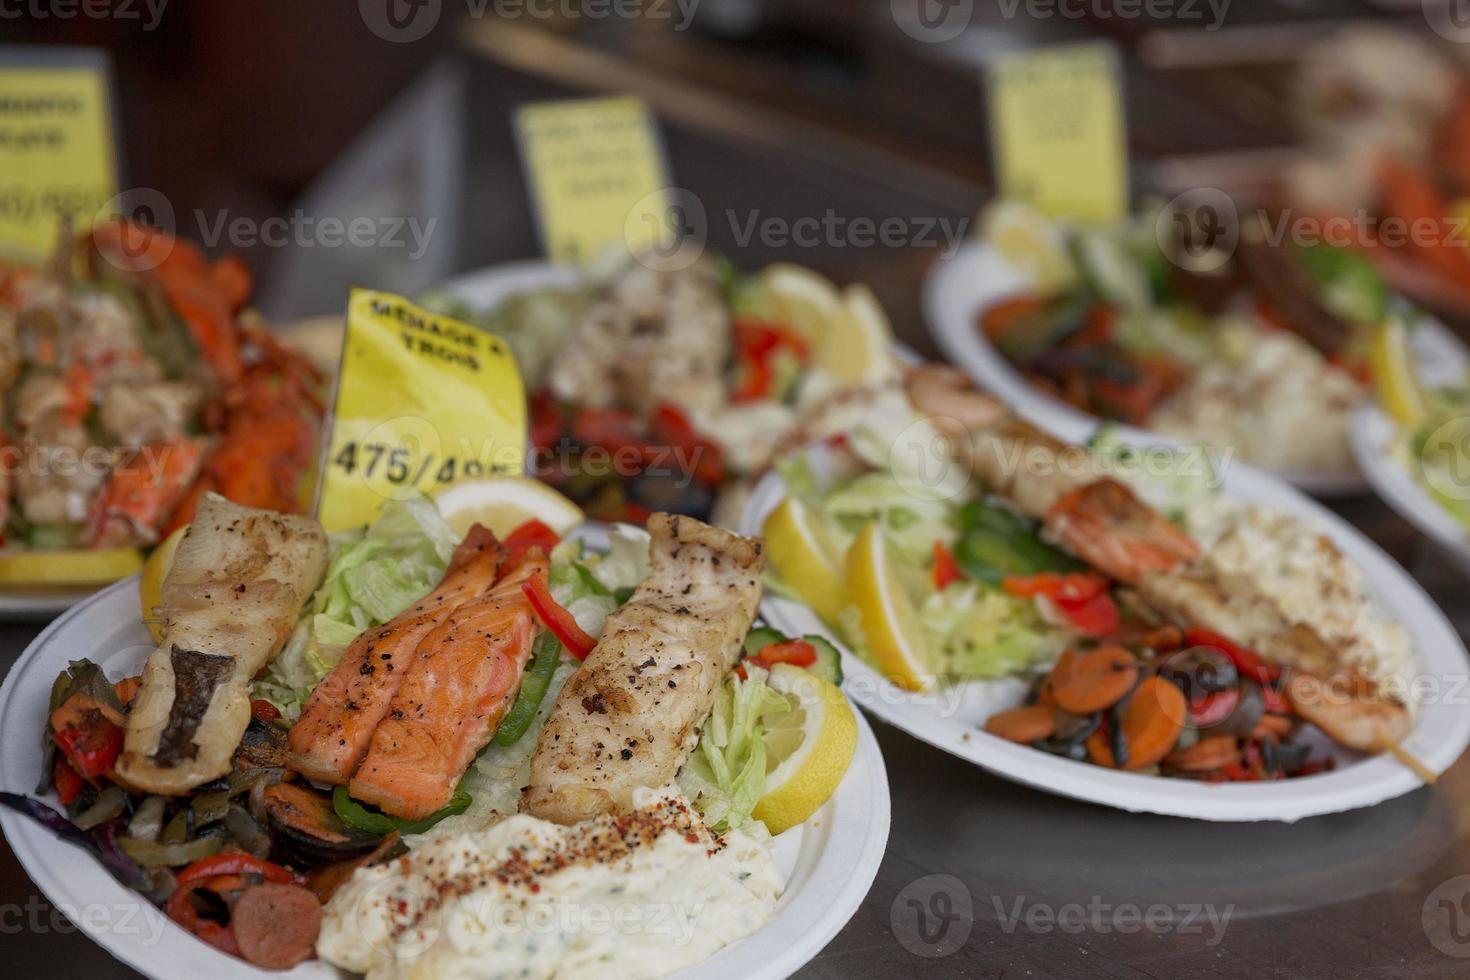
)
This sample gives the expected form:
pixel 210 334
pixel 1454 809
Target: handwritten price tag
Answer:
pixel 57 154
pixel 422 401
pixel 597 175
pixel 1057 131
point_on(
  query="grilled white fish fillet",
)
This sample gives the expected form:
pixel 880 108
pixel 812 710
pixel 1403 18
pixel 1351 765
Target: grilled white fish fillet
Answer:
pixel 630 716
pixel 229 602
pixel 656 336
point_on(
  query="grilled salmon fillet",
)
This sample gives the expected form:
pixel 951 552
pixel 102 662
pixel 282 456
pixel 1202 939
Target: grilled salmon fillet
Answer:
pixel 455 695
pixel 630 716
pixel 331 738
pixel 229 602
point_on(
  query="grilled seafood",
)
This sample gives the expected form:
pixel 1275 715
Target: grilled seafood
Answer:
pixel 138 352
pixel 229 602
pixel 1102 522
pixel 453 699
pixel 628 717
pixel 336 727
pixel 656 336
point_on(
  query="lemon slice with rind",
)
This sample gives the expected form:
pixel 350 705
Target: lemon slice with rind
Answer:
pixel 504 503
pixel 890 621
pixel 808 748
pixel 150 585
pixel 805 559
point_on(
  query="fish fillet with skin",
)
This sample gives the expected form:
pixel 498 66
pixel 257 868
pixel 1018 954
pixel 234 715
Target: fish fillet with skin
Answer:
pixel 234 591
pixel 630 716
pixel 331 738
pixel 467 676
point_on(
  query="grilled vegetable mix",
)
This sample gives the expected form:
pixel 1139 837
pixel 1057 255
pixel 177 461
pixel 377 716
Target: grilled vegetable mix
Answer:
pixel 1185 703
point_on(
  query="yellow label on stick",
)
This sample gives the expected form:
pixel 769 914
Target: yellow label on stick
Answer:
pixel 597 175
pixel 423 400
pixel 1057 131
pixel 56 151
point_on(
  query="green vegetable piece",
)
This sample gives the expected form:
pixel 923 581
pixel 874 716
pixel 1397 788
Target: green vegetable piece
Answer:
pixel 545 657
pixel 354 814
pixel 760 638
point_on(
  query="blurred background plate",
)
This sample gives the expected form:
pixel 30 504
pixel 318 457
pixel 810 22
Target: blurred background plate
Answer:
pixel 952 719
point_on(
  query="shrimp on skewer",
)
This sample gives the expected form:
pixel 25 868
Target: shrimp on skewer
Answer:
pixel 1101 521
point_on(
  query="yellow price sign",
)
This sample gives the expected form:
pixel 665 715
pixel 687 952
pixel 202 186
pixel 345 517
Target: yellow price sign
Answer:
pixel 57 154
pixel 1057 131
pixel 597 175
pixel 422 401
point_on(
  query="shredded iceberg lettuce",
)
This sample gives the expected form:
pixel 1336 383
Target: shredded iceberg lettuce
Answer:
pixel 726 774
pixel 984 633
pixel 375 573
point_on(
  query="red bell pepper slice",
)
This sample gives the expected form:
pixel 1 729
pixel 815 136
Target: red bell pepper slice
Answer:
pixel 263 711
pixel 799 653
pixel 532 534
pixel 90 742
pixel 66 780
pixel 755 381
pixel 233 863
pixel 1096 615
pixel 946 569
pixel 556 619
pixel 181 909
pixel 1213 707
pixel 1248 662
pixel 547 423
pixel 606 428
pixel 1071 587
pixel 672 429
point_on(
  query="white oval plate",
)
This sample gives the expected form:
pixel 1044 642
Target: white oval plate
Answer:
pixel 1372 433
pixel 829 862
pixel 1442 360
pixel 952 719
pixel 976 276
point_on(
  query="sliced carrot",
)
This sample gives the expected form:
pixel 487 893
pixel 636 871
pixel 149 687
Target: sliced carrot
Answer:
pixel 1206 755
pixel 1153 722
pixel 1100 748
pixel 1093 681
pixel 1025 724
pixel 127 689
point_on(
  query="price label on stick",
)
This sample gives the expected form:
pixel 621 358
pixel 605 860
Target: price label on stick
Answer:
pixel 1057 131
pixel 422 400
pixel 597 175
pixel 57 154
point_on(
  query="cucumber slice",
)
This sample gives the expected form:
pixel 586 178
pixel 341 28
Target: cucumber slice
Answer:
pixel 829 661
pixel 760 638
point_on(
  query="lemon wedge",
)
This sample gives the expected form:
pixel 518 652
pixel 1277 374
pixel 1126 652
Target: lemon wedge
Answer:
pixel 1028 240
pixel 855 345
pixel 64 568
pixel 504 503
pixel 150 586
pixel 808 748
pixel 1394 376
pixel 801 554
pixel 890 621
pixel 799 298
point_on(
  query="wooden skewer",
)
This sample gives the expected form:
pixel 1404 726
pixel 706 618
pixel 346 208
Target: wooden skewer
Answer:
pixel 1418 768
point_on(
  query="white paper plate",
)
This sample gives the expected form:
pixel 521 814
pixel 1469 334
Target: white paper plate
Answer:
pixel 34 605
pixel 957 289
pixel 829 862
pixel 1442 359
pixel 952 719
